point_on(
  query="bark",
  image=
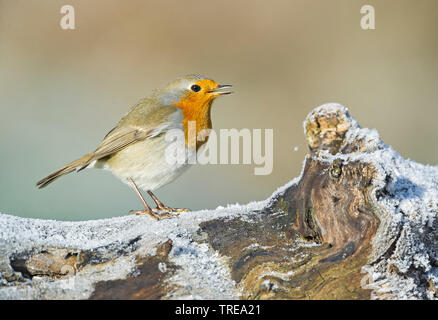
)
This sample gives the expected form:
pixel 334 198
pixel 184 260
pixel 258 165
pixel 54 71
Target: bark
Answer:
pixel 355 225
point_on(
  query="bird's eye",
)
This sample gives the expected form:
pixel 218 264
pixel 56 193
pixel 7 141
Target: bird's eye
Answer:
pixel 195 88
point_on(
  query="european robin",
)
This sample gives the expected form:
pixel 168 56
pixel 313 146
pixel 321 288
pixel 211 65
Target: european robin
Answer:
pixel 134 151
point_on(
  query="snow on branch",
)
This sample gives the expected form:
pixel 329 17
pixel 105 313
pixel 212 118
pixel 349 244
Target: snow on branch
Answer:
pixel 360 222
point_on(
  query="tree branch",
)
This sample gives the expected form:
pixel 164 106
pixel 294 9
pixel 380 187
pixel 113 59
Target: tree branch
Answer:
pixel 359 223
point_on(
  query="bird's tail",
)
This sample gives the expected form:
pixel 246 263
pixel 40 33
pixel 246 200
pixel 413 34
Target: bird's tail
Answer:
pixel 78 164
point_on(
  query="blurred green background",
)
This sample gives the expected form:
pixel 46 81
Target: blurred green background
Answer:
pixel 61 91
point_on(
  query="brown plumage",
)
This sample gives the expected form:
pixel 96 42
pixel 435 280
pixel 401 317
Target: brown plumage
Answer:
pixel 84 161
pixel 115 140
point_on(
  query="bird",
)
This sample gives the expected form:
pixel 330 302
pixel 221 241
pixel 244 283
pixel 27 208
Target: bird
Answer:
pixel 135 149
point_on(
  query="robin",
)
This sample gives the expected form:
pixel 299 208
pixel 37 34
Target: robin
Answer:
pixel 134 151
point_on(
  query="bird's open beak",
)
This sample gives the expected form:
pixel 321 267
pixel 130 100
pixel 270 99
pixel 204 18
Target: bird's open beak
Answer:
pixel 222 89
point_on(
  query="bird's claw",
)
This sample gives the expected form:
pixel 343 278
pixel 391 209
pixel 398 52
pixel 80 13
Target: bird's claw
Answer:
pixel 155 214
pixel 174 211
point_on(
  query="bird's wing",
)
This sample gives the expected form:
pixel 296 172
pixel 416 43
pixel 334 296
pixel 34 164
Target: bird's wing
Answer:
pixel 144 121
pixel 124 135
pixel 119 138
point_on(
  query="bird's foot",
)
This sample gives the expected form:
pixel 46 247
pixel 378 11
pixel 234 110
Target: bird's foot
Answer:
pixel 153 214
pixel 165 209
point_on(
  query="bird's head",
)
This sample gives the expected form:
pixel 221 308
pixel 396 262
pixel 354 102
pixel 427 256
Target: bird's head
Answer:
pixel 194 95
pixel 193 92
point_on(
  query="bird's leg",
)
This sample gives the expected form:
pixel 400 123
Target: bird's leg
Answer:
pixel 162 207
pixel 147 210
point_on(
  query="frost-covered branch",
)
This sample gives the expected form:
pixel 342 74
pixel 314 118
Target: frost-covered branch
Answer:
pixel 360 222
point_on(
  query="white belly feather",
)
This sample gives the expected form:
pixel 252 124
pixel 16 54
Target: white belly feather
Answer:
pixel 145 162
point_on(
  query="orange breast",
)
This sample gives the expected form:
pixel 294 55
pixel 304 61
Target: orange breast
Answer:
pixel 196 106
pixel 198 117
